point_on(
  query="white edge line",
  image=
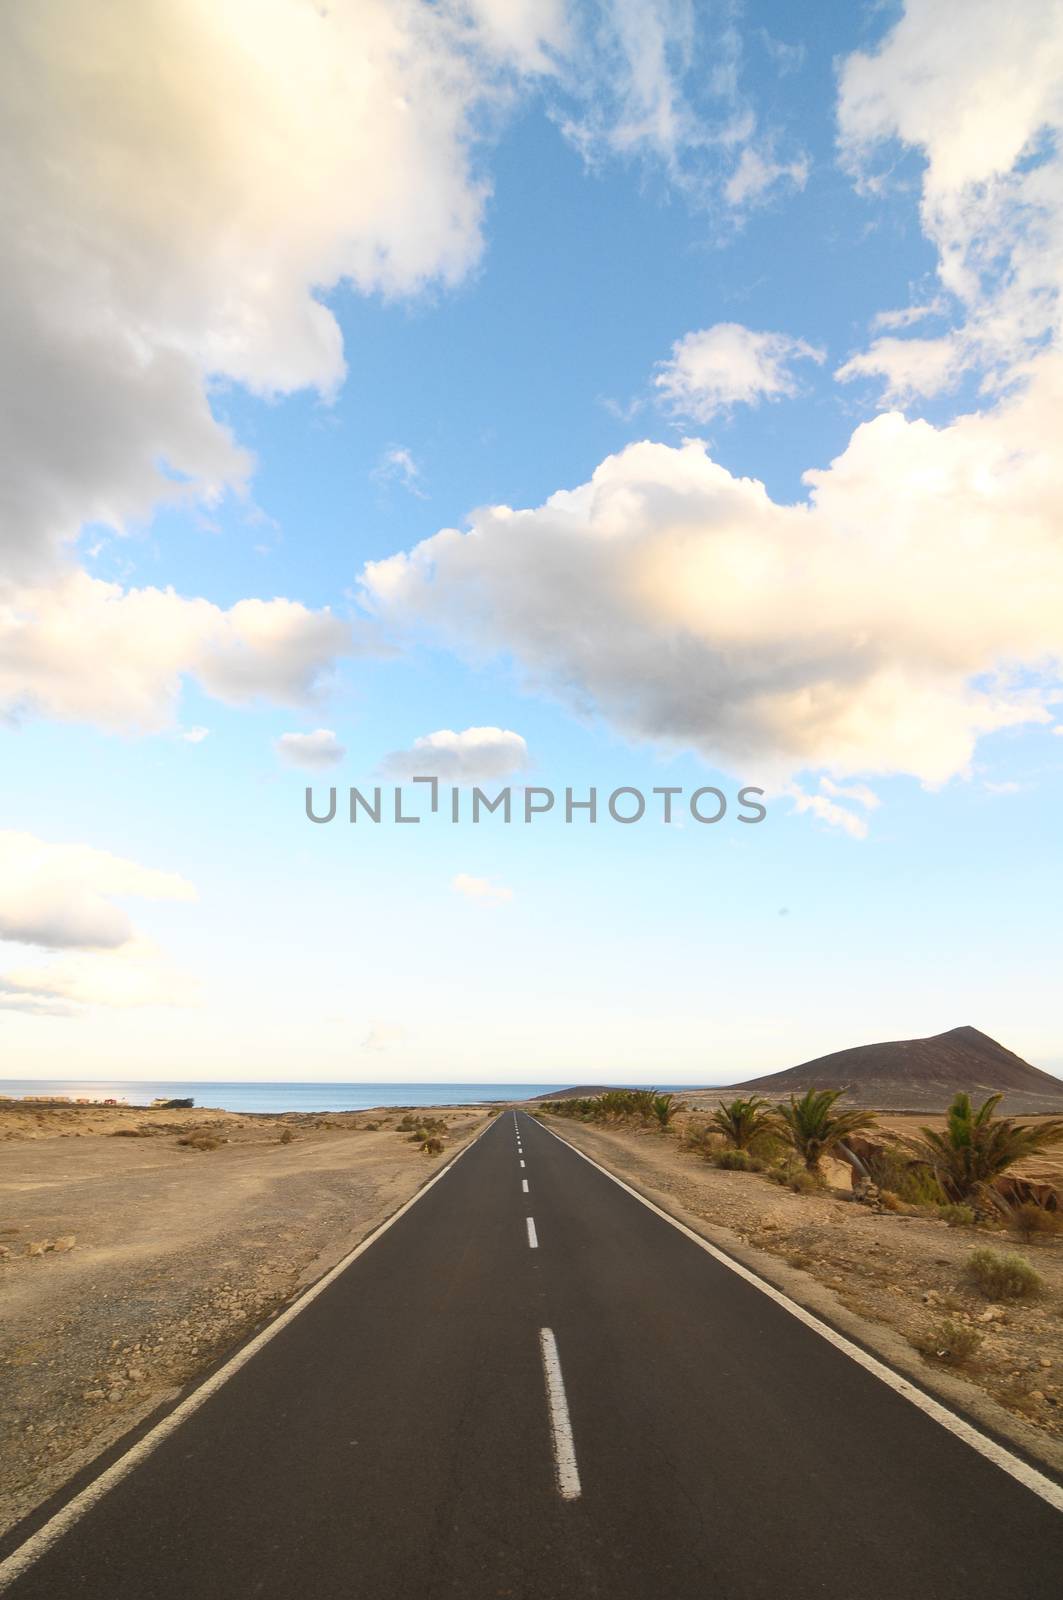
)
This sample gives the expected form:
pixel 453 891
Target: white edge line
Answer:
pixel 565 1467
pixel 22 1558
pixel 1028 1476
pixel 533 1238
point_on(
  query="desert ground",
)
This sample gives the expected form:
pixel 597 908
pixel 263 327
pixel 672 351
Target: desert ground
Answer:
pixel 138 1246
pixel 894 1282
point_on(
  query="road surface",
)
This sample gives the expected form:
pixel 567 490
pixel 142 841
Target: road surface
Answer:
pixel 531 1386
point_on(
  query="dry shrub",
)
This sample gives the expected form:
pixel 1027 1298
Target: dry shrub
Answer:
pixel 201 1141
pixel 958 1216
pixel 952 1343
pixel 1033 1222
pixel 286 1137
pixel 1002 1276
pixel 736 1161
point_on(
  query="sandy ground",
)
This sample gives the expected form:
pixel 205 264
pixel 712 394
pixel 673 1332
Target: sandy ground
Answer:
pixel 885 1280
pixel 129 1263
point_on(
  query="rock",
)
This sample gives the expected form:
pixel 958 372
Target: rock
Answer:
pixel 135 1374
pixel 1046 1361
pixel 992 1314
pixel 36 1247
pixel 115 1394
pixel 1036 1394
pixel 65 1242
pixel 92 1394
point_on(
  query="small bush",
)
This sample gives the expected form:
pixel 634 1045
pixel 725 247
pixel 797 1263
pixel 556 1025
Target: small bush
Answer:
pixel 895 1172
pixel 432 1145
pixel 957 1216
pixel 1002 1277
pixel 792 1175
pixel 734 1161
pixel 201 1141
pixel 1032 1222
pixel 952 1343
pixel 131 1133
pixel 287 1136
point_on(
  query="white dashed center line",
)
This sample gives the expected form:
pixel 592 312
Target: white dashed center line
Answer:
pixel 560 1426
pixel 533 1239
pixel 524 1184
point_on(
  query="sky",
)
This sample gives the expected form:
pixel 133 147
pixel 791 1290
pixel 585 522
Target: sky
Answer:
pixel 538 394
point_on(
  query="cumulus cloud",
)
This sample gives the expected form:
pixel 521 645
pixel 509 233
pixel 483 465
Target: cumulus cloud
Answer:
pixel 318 749
pixel 476 755
pixel 913 605
pixel 910 368
pixel 62 896
pixel 180 184
pixel 484 891
pixel 79 649
pixel 978 90
pixel 727 365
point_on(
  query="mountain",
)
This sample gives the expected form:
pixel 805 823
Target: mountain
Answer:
pixel 921 1075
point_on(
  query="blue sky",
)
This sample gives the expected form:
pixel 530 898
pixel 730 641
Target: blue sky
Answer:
pixel 421 263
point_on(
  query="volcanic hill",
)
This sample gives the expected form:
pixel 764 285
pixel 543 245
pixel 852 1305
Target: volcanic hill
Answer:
pixel 921 1075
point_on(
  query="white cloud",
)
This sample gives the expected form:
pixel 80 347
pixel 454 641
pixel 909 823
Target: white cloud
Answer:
pixel 978 90
pixel 910 367
pixel 397 465
pixel 822 807
pixel 195 735
pixel 476 755
pixel 80 649
pixel 318 749
pixel 211 170
pixel 63 895
pixel 914 604
pixel 137 974
pixel 859 792
pixel 660 80
pixel 483 891
pixel 908 316
pixel 758 173
pixel 727 365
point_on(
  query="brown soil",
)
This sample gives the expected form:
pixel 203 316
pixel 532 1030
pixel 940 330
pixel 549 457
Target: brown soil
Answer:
pixel 886 1280
pixel 130 1262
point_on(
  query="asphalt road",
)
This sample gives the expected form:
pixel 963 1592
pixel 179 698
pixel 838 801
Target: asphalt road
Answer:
pixel 405 1436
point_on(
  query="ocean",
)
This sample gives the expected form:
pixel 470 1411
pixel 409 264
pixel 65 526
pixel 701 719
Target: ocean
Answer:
pixel 277 1096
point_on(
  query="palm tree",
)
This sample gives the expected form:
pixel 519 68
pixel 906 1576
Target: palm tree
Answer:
pixel 744 1121
pixel 665 1107
pixel 977 1147
pixel 816 1130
